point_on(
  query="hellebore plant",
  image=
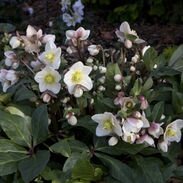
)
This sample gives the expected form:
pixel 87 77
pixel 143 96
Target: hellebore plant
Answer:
pixel 87 113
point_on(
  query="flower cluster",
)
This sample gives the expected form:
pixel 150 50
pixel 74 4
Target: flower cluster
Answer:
pixel 109 84
pixel 72 13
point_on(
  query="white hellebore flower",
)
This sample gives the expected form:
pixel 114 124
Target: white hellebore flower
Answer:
pixel 129 137
pixel 107 124
pixel 51 55
pixel 14 42
pixel 155 129
pixel 77 78
pixel 123 33
pixel 7 78
pixel 93 49
pixel 48 79
pixel 80 34
pixel 173 131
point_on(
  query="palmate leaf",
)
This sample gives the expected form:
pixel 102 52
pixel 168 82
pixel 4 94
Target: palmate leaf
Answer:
pixel 10 155
pixel 33 166
pixel 40 124
pixel 117 169
pixel 16 128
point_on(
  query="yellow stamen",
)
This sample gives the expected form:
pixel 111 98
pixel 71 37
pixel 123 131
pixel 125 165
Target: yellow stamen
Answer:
pixel 77 76
pixel 108 124
pixel 171 132
pixel 49 79
pixel 50 57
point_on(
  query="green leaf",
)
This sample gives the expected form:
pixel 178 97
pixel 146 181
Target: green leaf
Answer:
pixel 24 94
pixel 158 111
pixel 87 123
pixel 62 147
pixel 40 124
pixel 136 90
pixel 177 102
pixel 6 27
pixel 10 155
pixel 117 169
pixel 77 146
pixel 150 169
pixel 176 60
pixel 16 128
pixel 33 166
pixel 83 170
pixel 148 84
pixel 121 148
pixel 149 58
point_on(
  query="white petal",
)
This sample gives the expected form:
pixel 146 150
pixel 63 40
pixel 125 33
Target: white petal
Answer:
pixel 70 34
pixel 77 66
pixel 50 45
pixel 30 31
pixel 48 38
pixel 87 69
pixel 125 27
pixel 101 132
pixel 163 146
pixel 98 118
pixel 87 83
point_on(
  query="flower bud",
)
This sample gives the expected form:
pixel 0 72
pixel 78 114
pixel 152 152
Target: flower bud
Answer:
pixel 128 44
pixel 155 66
pixel 113 141
pixel 163 146
pixel 95 67
pixel 14 42
pixel 135 58
pixel 101 88
pixel 72 120
pixel 46 98
pixel 93 49
pixel 117 77
pixel 117 87
pixel 89 60
pixel 132 68
pixel 78 92
pixel 102 69
pixel 102 80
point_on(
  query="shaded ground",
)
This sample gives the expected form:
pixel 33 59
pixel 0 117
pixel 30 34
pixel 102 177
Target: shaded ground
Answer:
pixel 157 35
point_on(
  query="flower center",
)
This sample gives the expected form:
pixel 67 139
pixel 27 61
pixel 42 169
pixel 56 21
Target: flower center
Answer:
pixel 171 132
pixel 77 76
pixel 50 57
pixel 49 79
pixel 108 124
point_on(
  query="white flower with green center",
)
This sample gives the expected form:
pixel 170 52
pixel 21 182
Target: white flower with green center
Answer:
pixel 48 79
pixel 173 131
pixel 107 124
pixel 78 76
pixel 51 55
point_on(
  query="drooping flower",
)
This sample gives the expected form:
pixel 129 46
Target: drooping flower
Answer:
pixel 48 79
pixel 77 76
pixel 107 124
pixel 11 59
pixel 146 139
pixel 144 103
pixel 79 34
pixel 155 129
pixel 51 55
pixel 163 146
pixel 173 131
pixel 123 34
pixel 7 78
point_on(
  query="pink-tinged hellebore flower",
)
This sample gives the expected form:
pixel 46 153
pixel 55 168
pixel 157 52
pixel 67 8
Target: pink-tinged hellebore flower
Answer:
pixel 80 34
pixel 145 139
pixel 132 125
pixel 173 131
pixel 77 79
pixel 11 59
pixel 7 78
pixel 48 79
pixel 119 99
pixel 107 124
pixel 155 129
pixel 51 55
